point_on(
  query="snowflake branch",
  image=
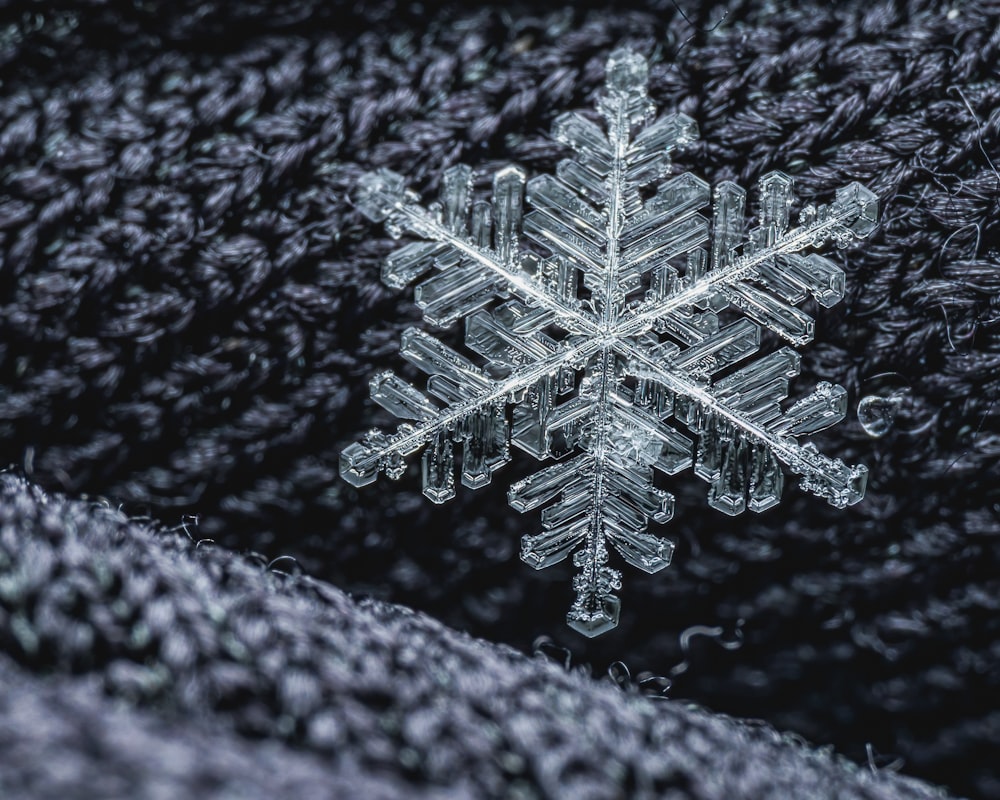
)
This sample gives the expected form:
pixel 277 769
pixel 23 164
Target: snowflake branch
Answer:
pixel 519 282
pixel 596 609
pixel 826 477
pixel 837 222
pixel 362 459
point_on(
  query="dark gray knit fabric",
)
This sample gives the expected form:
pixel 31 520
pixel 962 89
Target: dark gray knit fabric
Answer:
pixel 186 671
pixel 190 310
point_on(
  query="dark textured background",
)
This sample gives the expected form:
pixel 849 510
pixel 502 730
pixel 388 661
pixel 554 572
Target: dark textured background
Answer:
pixel 190 310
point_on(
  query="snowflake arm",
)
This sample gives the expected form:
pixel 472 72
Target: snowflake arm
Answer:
pixel 605 317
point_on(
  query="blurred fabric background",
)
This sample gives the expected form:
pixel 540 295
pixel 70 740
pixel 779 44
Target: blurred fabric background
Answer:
pixel 190 310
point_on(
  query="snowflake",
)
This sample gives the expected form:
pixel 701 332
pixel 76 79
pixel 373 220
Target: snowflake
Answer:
pixel 616 328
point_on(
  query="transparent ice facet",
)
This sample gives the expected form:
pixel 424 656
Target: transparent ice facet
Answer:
pixel 377 192
pixel 438 470
pixel 358 466
pixel 597 618
pixel 614 319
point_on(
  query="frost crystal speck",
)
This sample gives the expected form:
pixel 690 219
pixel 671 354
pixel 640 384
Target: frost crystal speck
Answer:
pixel 620 327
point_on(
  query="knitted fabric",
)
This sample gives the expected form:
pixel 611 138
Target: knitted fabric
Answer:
pixel 190 309
pixel 267 685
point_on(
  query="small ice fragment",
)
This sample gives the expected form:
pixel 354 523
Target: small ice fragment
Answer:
pixel 877 413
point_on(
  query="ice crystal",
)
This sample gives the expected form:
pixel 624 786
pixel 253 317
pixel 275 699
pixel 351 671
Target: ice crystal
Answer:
pixel 615 330
pixel 877 413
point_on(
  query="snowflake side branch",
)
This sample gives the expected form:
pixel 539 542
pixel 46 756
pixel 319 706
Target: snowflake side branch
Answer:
pixel 851 217
pixel 826 477
pixel 361 461
pixel 420 222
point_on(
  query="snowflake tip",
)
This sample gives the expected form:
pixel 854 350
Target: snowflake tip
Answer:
pixel 376 192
